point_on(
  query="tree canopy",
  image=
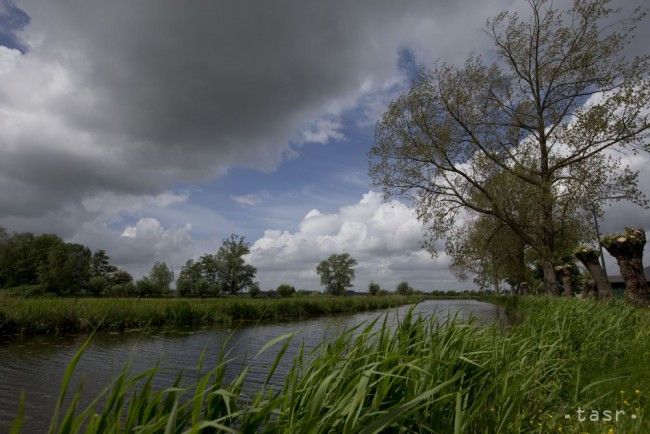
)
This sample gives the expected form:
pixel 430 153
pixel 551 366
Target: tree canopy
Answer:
pixel 559 93
pixel 336 273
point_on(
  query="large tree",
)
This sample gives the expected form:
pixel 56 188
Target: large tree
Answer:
pixel 66 269
pixel 559 93
pixel 192 281
pixel 100 264
pixel 161 277
pixel 337 272
pixel 232 271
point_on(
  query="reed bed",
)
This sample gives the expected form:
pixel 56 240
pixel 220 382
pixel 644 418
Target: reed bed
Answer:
pixel 420 376
pixel 65 315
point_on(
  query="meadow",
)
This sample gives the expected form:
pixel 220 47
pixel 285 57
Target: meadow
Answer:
pixel 53 315
pixel 562 365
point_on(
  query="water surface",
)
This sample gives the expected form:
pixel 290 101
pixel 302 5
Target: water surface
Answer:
pixel 35 366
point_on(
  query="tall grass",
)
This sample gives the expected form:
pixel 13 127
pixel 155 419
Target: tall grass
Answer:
pixel 421 376
pixel 57 315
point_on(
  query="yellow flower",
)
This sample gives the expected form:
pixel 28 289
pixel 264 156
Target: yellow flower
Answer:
pixel 637 391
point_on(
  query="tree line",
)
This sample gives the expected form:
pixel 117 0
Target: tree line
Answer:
pixel 32 264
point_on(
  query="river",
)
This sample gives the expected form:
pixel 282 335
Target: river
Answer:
pixel 36 365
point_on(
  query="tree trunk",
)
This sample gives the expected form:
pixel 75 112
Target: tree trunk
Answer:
pixel 565 278
pixel 627 248
pixel 523 288
pixel 589 259
pixel 590 290
pixel 550 279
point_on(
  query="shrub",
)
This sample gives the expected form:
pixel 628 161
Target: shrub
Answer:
pixel 145 288
pixel 26 291
pixel 97 285
pixel 286 290
pixel 373 288
pixel 121 290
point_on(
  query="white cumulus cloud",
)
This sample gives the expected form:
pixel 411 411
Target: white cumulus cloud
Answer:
pixel 384 237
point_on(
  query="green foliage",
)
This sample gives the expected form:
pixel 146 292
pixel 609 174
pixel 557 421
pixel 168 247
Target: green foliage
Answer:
pixel 193 280
pixel 522 117
pixel 26 291
pixel 46 260
pixel 233 272
pixel 100 265
pixel 127 289
pixel 419 376
pixel 336 273
pixel 226 271
pixel 146 288
pixel 120 277
pixel 56 314
pixel 21 256
pixel 373 288
pixel 403 288
pixel 161 278
pixel 286 290
pixel 97 285
pixel 66 269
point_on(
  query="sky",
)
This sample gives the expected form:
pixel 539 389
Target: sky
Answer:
pixel 154 129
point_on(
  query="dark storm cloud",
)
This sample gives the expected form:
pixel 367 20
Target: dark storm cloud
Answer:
pixel 135 96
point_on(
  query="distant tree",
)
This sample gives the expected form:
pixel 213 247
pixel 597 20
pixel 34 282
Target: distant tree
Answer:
pixel 122 290
pixel 100 264
pixel 286 290
pixel 336 273
pixel 373 288
pixel 145 288
pixel 4 235
pixel 22 255
pixel 120 277
pixel 232 271
pixel 192 281
pixel 254 290
pixel 98 285
pixel 66 269
pixel 161 277
pixel 403 288
pixel 208 267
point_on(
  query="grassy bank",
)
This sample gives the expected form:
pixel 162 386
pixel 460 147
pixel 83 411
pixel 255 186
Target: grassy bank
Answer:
pixel 63 315
pixel 561 356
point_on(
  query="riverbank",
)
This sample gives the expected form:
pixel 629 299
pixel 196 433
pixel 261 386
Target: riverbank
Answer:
pixel 20 316
pixel 565 365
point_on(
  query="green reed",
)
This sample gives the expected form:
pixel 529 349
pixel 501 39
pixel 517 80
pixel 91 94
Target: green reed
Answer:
pixel 61 315
pixel 420 376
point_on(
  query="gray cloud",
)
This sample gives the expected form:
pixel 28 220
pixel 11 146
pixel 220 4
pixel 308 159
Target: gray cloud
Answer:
pixel 132 97
pixel 120 101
